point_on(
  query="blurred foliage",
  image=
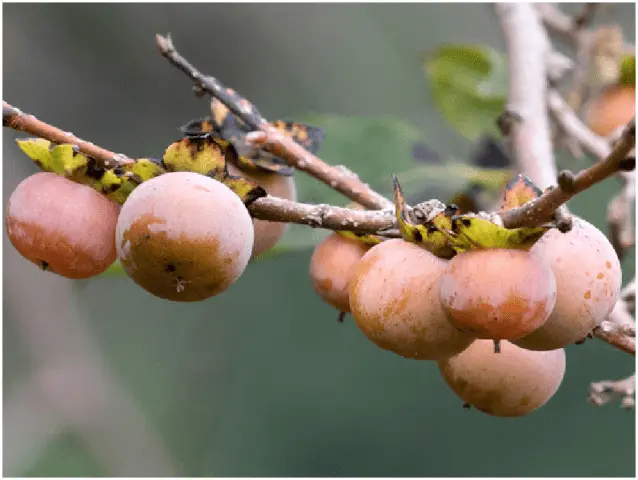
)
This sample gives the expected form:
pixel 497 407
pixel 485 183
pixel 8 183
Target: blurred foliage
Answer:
pixel 372 148
pixel 628 70
pixel 469 84
pixel 262 380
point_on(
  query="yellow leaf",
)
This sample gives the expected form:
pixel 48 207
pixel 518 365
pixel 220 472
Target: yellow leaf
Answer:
pixel 208 156
pixel 363 238
pixel 430 235
pixel 68 161
pixel 196 154
pixel 37 149
pixel 445 233
pixel 472 233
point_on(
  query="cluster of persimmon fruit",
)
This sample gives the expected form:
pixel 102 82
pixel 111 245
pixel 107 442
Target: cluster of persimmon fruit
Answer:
pixel 184 236
pixel 181 236
pixel 495 320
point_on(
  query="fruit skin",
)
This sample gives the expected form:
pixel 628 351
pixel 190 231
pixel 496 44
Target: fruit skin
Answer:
pixel 69 226
pixel 512 383
pixel 183 236
pixel 614 107
pixel 267 234
pixel 497 293
pixel 394 301
pixel 332 268
pixel 588 281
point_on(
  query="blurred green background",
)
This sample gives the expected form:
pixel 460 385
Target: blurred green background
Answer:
pixel 101 378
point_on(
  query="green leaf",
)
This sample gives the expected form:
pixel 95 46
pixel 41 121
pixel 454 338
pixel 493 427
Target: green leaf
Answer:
pixel 469 85
pixel 372 147
pixel 628 70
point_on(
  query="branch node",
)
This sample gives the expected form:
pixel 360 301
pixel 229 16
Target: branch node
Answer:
pixel 164 43
pixel 603 392
pixel 563 220
pixel 507 121
pixel 628 164
pixel 256 138
pixel 198 91
pixel 566 181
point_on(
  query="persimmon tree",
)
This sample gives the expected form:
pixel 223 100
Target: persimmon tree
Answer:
pixel 483 285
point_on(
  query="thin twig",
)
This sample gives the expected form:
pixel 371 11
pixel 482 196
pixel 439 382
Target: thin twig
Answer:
pixel 585 16
pixel 628 295
pixel 23 122
pixel 573 127
pixel 622 231
pixel 558 21
pixel 617 335
pixel 541 209
pixel 601 393
pixel 274 141
pixel 622 317
pixel 276 209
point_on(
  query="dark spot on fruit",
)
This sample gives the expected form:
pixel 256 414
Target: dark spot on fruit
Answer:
pixel 466 222
pixel 43 265
pixel 170 268
pixel 418 237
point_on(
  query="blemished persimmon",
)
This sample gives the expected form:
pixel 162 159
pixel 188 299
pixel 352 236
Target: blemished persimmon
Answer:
pixel 267 234
pixel 183 236
pixel 394 299
pixel 512 383
pixel 62 226
pixel 497 294
pixel 332 268
pixel 588 281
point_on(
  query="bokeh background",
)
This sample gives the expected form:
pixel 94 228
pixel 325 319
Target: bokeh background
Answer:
pixel 101 378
